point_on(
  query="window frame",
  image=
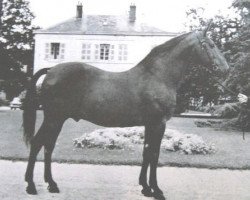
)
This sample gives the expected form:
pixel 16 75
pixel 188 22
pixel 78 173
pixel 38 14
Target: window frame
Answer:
pixel 54 51
pixel 86 53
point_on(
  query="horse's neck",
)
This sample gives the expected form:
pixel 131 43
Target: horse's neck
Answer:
pixel 171 65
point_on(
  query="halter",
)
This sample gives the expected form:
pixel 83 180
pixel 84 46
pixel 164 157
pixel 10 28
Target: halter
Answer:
pixel 205 47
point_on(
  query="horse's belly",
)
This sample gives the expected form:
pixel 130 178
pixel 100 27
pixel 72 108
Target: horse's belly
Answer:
pixel 113 117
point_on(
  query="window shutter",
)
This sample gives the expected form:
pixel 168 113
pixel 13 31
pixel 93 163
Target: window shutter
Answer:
pixel 112 52
pixel 97 51
pixel 62 51
pixel 46 53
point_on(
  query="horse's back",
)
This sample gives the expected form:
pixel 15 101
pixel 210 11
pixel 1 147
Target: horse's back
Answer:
pixel 82 91
pixel 68 71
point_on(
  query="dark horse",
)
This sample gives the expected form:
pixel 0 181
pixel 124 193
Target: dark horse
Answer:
pixel 142 96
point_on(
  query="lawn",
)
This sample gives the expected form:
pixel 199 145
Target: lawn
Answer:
pixel 231 150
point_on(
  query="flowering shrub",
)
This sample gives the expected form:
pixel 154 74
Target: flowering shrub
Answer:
pixel 111 138
pixel 121 138
pixel 186 143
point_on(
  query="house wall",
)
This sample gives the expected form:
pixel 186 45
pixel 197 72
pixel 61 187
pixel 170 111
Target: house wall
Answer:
pixel 137 48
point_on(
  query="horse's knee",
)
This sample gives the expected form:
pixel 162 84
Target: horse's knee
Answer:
pixel 146 150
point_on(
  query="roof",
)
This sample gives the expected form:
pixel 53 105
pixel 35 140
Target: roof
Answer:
pixel 103 25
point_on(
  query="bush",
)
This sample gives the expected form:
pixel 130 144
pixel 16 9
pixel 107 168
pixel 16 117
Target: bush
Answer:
pixel 227 110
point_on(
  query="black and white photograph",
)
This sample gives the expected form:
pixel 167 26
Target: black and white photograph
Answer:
pixel 124 100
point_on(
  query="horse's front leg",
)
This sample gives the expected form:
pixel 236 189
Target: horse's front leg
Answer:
pixel 153 136
pixel 146 190
pixel 157 134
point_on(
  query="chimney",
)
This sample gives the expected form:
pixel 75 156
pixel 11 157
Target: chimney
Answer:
pixel 132 13
pixel 79 10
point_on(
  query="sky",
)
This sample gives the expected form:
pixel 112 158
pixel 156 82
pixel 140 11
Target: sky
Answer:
pixel 168 15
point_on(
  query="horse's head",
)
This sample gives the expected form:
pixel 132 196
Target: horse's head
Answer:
pixel 208 53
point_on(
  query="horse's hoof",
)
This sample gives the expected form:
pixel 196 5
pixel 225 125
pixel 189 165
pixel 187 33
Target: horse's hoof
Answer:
pixel 147 192
pixel 53 189
pixel 31 189
pixel 158 196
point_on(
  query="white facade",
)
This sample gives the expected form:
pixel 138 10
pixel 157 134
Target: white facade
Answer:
pixel 109 42
pixel 107 52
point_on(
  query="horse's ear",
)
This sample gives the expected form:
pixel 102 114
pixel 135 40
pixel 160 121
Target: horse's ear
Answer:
pixel 207 28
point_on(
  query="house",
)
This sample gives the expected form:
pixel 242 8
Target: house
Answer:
pixel 113 43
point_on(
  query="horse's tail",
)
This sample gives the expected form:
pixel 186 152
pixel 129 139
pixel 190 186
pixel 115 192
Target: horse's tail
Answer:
pixel 30 104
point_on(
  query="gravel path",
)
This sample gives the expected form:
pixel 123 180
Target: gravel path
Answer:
pixel 90 182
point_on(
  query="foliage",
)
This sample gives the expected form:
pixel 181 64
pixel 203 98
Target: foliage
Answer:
pixel 198 83
pixel 239 77
pixel 223 27
pixel 227 110
pixel 231 35
pixel 223 30
pixel 16 45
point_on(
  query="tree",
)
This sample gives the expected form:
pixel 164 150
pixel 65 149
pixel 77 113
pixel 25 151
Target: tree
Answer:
pixel 1 11
pixel 199 83
pixel 223 28
pixel 239 78
pixel 232 37
pixel 16 45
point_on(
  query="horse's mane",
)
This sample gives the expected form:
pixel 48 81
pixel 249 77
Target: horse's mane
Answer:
pixel 167 46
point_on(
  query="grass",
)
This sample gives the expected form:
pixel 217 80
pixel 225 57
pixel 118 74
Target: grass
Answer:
pixel 232 151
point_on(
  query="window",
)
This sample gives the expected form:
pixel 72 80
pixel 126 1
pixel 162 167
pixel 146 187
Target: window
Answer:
pixel 86 51
pixel 104 51
pixel 123 52
pixel 54 50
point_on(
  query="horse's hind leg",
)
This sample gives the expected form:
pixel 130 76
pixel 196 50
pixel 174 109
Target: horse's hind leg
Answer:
pixel 36 145
pixel 52 134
